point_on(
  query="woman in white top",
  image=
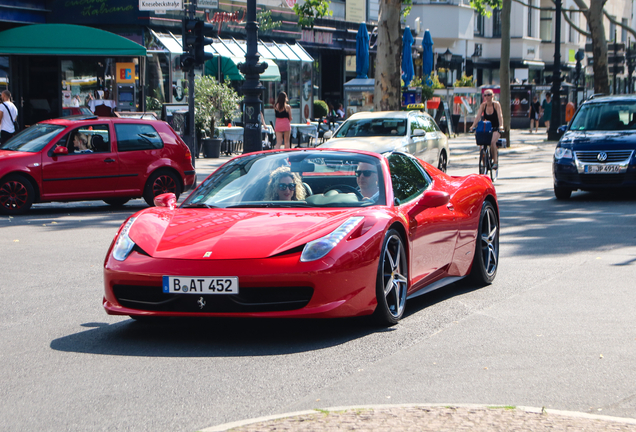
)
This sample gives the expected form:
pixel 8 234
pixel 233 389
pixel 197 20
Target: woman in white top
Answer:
pixel 8 114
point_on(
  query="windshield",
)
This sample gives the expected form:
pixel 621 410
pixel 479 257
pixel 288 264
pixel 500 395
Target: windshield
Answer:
pixel 293 179
pixel 33 139
pixel 372 127
pixel 610 116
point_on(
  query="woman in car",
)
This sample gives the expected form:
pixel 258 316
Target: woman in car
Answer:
pixel 80 143
pixel 284 185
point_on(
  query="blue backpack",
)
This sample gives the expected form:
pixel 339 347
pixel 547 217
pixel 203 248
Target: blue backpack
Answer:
pixel 483 133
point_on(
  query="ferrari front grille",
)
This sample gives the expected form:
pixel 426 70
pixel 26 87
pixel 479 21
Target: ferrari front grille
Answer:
pixel 250 299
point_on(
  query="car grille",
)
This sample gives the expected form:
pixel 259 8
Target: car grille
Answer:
pixel 250 299
pixel 613 156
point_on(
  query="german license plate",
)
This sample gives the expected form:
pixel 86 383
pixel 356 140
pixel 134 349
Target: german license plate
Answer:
pixel 200 285
pixel 600 169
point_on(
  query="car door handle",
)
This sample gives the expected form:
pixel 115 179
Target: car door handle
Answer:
pixel 109 160
pixel 450 206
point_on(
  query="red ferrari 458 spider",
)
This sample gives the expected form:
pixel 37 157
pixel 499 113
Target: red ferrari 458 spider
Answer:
pixel 314 233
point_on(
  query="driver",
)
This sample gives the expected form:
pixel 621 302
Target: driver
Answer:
pixel 367 178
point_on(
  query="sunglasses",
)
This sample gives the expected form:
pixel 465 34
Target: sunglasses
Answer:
pixel 366 173
pixel 488 94
pixel 290 186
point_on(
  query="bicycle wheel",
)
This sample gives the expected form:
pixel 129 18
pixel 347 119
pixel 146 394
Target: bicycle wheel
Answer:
pixel 493 172
pixel 483 157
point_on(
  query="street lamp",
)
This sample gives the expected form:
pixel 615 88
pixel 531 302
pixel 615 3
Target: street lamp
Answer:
pixel 447 56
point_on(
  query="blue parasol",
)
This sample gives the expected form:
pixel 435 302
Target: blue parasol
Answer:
pixel 362 52
pixel 427 54
pixel 407 56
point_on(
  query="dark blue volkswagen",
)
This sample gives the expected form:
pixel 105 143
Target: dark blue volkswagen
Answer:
pixel 598 149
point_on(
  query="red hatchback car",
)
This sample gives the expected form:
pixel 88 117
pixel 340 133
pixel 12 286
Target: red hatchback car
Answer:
pixel 89 158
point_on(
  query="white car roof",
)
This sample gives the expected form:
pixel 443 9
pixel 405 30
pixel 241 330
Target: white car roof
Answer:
pixel 384 114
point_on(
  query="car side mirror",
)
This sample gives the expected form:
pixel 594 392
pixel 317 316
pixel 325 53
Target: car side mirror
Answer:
pixel 166 200
pixel 430 199
pixel 561 130
pixel 419 132
pixel 327 135
pixel 60 151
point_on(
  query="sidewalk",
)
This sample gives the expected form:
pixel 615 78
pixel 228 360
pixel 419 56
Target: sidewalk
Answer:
pixel 462 147
pixel 427 417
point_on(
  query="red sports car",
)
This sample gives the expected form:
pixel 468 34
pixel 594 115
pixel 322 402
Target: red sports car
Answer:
pixel 305 233
pixel 90 157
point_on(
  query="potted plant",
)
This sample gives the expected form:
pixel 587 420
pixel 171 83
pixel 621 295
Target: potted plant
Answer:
pixel 213 102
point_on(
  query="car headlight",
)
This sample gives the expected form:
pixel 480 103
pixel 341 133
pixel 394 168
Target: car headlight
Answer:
pixel 320 247
pixel 561 153
pixel 124 244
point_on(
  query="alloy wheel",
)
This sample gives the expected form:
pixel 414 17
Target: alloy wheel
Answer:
pixel 490 241
pixel 394 278
pixel 13 195
pixel 164 184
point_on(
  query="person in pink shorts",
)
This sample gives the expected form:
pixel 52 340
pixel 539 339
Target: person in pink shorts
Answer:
pixel 282 110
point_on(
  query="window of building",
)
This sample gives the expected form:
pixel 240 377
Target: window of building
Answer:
pixel 496 23
pixel 546 26
pixel 612 29
pixel 530 18
pixel 573 35
pixel 625 22
pixel 479 24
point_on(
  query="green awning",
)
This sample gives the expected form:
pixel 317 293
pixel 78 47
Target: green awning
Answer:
pixel 66 40
pixel 229 69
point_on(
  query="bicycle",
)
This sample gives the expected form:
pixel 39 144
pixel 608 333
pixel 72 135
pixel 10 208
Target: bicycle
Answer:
pixel 485 158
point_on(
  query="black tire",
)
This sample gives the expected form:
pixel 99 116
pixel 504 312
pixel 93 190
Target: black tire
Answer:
pixel 16 195
pixel 161 182
pixel 116 202
pixel 392 280
pixel 482 161
pixel 562 193
pixel 442 164
pixel 486 259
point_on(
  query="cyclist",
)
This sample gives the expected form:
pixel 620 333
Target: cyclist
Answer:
pixel 490 110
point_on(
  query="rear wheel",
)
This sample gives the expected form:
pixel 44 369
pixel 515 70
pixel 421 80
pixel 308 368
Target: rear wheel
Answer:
pixel 159 183
pixel 442 164
pixel 392 280
pixel 16 195
pixel 486 259
pixel 562 193
pixel 116 202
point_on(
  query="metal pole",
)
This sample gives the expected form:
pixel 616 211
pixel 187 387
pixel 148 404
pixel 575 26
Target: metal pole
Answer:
pixel 252 88
pixel 555 120
pixel 614 63
pixel 192 7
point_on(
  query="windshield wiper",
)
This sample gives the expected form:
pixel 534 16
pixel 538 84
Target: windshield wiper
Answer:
pixel 270 205
pixel 199 205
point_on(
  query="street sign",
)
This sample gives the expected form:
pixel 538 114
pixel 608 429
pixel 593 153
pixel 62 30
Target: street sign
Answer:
pixel 208 4
pixel 160 5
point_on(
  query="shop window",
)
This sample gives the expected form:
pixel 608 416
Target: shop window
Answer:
pixel 132 137
pixel 294 84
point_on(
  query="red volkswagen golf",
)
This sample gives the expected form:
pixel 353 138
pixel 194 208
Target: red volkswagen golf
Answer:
pixel 92 158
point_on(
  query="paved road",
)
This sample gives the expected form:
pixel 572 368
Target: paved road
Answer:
pixel 555 330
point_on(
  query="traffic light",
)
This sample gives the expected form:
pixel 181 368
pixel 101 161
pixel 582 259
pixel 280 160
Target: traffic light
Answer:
pixel 200 56
pixel 188 40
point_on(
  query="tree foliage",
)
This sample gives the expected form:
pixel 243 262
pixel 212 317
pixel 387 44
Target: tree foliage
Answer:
pixel 214 101
pixel 310 10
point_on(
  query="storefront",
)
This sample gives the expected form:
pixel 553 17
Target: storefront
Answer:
pixel 54 66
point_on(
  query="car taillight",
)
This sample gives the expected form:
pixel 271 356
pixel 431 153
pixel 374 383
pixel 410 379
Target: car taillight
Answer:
pixel 188 155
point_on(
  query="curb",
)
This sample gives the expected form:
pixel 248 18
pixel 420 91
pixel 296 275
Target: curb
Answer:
pixel 529 410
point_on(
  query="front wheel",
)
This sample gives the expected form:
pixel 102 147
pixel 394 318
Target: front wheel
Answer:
pixel 159 183
pixel 483 157
pixel 562 193
pixel 486 259
pixel 442 164
pixel 116 202
pixel 16 195
pixel 392 280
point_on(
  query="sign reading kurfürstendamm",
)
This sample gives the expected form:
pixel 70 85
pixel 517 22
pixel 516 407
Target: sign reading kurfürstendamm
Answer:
pixel 158 5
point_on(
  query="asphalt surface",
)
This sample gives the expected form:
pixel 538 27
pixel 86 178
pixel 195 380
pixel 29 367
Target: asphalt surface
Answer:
pixel 432 417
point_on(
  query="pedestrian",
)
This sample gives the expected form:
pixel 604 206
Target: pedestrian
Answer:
pixel 8 117
pixel 535 109
pixel 283 113
pixel 340 111
pixel 546 109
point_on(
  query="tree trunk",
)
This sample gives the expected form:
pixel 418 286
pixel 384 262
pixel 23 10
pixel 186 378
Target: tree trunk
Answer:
pixel 387 92
pixel 594 17
pixel 504 67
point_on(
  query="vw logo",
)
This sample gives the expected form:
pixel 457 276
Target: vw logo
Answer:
pixel 602 157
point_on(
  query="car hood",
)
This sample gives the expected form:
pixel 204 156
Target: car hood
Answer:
pixel 6 155
pixel 599 140
pixel 230 233
pixel 373 144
